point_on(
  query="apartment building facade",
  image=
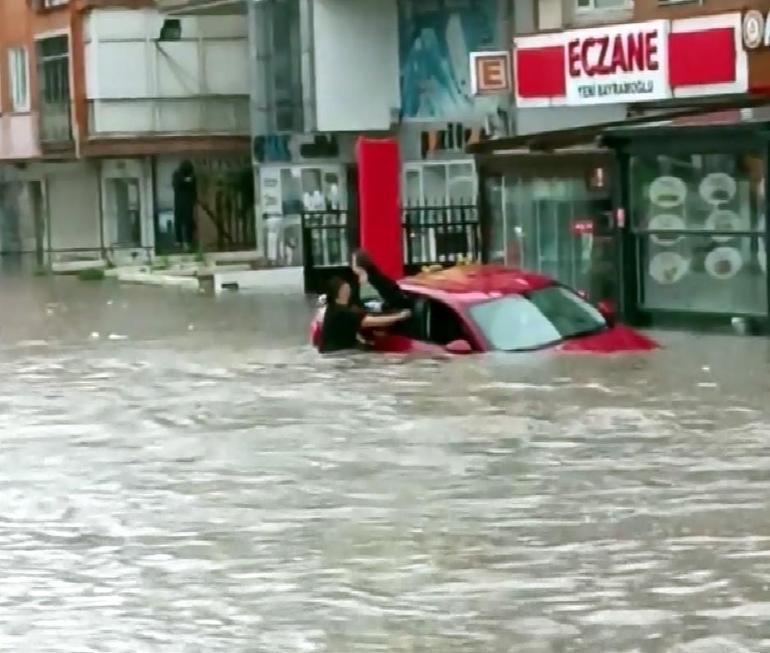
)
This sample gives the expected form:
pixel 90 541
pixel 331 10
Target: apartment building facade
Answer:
pixel 327 71
pixel 101 102
pixel 29 116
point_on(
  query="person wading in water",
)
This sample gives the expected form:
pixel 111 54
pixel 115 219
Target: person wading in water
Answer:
pixel 342 321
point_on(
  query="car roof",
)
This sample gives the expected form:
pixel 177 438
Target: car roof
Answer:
pixel 470 284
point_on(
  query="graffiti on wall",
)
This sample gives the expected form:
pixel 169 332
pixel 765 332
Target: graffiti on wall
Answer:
pixel 436 38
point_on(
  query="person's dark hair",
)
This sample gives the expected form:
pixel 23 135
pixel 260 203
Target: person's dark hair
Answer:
pixel 186 167
pixel 363 260
pixel 333 289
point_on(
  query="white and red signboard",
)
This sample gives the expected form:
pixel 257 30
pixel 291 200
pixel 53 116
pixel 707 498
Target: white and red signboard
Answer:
pixel 621 63
pixel 627 63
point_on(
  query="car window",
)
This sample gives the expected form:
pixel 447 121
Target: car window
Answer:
pixel 443 324
pixel 541 318
pixel 415 326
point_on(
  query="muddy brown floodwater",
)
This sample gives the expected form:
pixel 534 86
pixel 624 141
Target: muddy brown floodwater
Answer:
pixel 195 479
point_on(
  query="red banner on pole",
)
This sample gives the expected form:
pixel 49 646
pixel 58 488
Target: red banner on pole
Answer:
pixel 378 203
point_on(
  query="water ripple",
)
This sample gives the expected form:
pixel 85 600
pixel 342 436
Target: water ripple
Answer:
pixel 225 489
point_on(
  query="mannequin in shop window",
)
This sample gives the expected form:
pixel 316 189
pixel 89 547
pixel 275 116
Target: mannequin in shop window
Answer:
pixel 185 198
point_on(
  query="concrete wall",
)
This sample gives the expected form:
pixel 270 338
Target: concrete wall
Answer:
pixel 559 14
pixel 197 84
pixel 531 121
pixel 356 64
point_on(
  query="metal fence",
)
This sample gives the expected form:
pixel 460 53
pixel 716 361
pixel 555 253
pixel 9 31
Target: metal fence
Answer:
pixel 437 234
pixel 328 239
pixel 433 234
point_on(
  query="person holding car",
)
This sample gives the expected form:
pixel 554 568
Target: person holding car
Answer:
pixel 366 272
pixel 342 322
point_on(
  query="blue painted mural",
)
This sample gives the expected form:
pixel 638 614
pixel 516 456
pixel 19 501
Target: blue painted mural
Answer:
pixel 436 38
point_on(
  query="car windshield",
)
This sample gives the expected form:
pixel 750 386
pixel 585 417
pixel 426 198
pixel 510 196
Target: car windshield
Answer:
pixel 535 320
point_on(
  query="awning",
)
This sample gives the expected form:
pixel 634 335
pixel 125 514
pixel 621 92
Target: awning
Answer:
pixel 592 134
pixel 751 118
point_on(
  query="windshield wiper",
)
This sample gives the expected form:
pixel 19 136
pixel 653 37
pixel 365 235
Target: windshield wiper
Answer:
pixel 587 332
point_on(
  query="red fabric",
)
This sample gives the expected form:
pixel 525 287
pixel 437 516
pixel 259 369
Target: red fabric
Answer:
pixel 540 72
pixel 378 201
pixel 702 57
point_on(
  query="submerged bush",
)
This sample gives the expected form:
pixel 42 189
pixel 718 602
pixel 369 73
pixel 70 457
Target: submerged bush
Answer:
pixel 92 274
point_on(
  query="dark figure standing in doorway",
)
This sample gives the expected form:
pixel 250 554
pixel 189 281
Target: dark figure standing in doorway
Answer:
pixel 185 198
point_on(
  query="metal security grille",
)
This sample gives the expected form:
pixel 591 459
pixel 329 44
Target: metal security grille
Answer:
pixel 440 234
pixel 328 239
pixel 432 235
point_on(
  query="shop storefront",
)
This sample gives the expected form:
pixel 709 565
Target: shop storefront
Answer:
pixel 694 237
pixel 552 213
pixel 549 208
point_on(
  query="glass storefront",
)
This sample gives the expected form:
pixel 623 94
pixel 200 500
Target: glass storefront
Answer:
pixel 286 191
pixel 556 226
pixel 698 224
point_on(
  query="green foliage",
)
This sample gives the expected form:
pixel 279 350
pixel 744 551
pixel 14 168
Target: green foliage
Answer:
pixel 91 274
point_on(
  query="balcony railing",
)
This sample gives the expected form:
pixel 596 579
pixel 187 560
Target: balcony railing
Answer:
pixel 212 114
pixel 55 123
pixel 201 7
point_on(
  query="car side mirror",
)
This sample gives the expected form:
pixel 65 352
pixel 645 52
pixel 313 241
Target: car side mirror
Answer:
pixel 582 293
pixel 459 347
pixel 607 311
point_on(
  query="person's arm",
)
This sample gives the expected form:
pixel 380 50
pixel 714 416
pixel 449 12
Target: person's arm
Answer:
pixel 389 290
pixel 380 321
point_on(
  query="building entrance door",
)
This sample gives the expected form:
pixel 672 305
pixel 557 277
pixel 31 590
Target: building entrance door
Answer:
pixel 555 227
pixel 125 207
pixel 22 216
pixel 123 201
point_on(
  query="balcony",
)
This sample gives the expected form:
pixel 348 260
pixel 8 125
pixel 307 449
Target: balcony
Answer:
pixel 55 126
pixel 189 116
pixel 201 7
pixel 19 137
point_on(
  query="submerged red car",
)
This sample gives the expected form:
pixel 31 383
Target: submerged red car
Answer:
pixel 486 308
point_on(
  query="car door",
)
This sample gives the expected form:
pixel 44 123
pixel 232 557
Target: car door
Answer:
pixel 408 336
pixel 432 326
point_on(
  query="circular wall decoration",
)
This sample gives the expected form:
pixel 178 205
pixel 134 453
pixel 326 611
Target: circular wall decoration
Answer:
pixel 717 188
pixel 723 220
pixel 753 29
pixel 667 192
pixel 724 262
pixel 665 222
pixel 669 267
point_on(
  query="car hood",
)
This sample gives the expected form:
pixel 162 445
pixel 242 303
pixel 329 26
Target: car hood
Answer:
pixel 616 339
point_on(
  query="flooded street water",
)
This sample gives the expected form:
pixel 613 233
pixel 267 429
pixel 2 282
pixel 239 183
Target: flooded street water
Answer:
pixel 180 473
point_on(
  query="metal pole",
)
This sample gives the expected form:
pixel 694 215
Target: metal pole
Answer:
pixel 48 222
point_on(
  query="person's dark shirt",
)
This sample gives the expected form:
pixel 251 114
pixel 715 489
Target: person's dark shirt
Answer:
pixel 340 327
